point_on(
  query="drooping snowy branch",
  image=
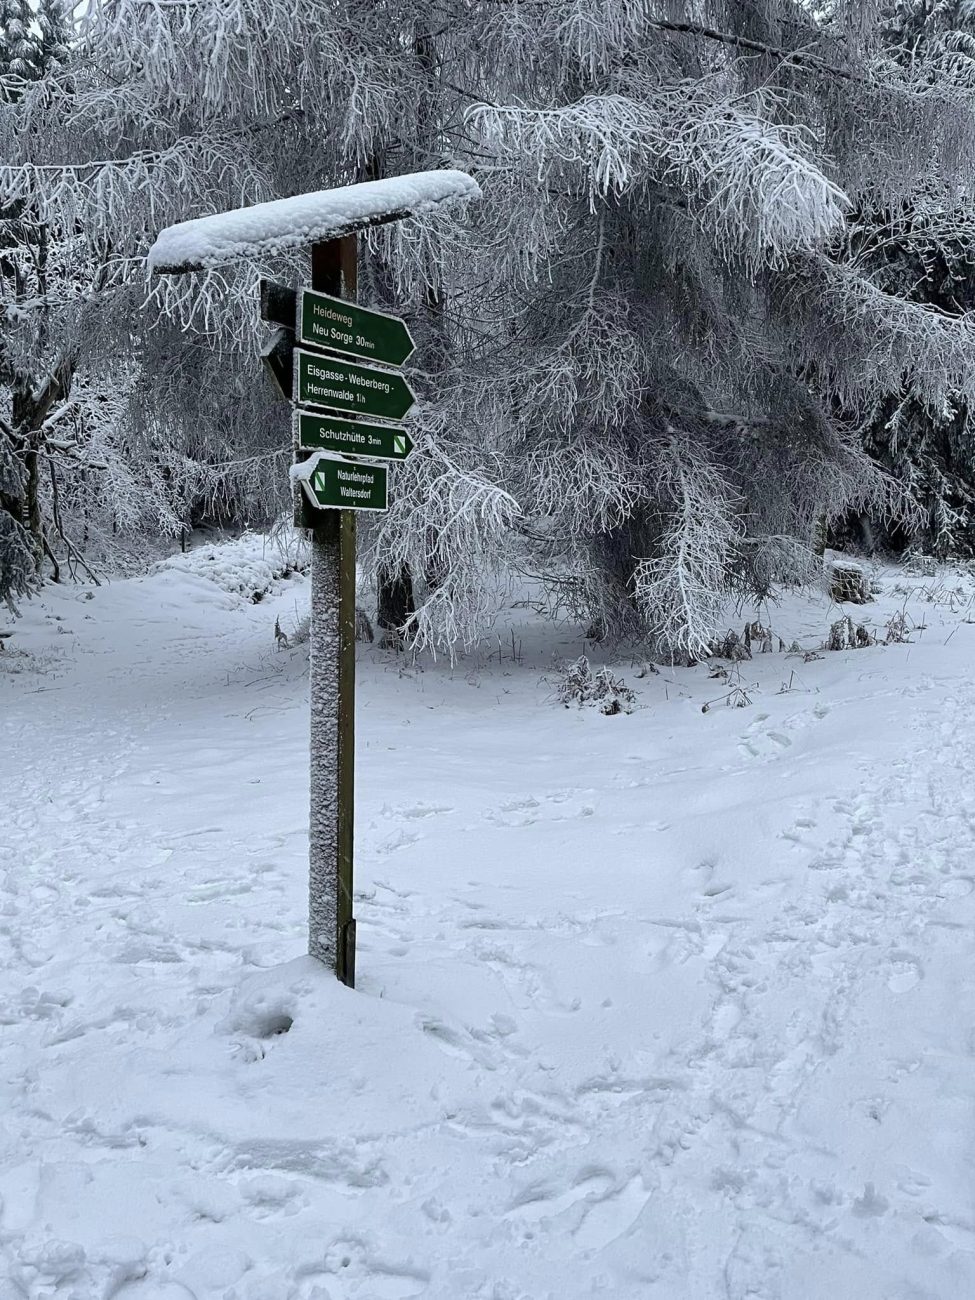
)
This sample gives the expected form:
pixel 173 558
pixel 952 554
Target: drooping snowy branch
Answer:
pixel 680 590
pixel 450 524
pixel 748 179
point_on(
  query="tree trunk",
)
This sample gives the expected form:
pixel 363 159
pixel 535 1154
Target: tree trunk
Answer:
pixel 819 537
pixel 32 500
pixel 396 604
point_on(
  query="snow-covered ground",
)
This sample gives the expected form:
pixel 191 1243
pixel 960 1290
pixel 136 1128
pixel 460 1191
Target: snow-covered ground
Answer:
pixel 668 1005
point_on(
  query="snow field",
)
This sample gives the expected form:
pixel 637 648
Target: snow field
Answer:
pixel 659 1005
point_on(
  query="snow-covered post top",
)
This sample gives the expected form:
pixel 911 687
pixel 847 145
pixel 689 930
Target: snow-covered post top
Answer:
pixel 268 228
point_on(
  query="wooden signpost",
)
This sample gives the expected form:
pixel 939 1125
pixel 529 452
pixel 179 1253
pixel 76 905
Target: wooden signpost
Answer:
pixel 331 924
pixel 349 398
pixel 327 321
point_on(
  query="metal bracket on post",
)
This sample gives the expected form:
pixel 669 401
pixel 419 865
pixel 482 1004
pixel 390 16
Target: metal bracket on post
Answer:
pixel 331 934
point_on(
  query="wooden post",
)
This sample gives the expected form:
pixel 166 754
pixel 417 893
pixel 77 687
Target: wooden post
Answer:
pixel 331 926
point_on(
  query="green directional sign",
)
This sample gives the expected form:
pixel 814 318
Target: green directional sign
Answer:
pixel 333 323
pixel 323 381
pixel 329 433
pixel 346 485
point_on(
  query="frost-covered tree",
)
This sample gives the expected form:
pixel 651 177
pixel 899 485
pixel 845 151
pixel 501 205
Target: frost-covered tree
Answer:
pixel 646 359
pixel 172 111
pixel 20 46
pixel 31 44
pixel 694 340
pixel 922 247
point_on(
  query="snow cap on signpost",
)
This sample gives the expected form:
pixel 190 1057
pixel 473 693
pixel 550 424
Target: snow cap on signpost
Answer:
pixel 282 224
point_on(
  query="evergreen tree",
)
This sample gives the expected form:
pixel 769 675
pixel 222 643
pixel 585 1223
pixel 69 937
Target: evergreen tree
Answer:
pixel 689 311
pixel 20 63
pixel 922 248
pixel 644 362
pixel 21 58
pixel 55 36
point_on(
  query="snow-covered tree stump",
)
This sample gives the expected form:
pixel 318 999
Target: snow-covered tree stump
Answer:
pixel 848 584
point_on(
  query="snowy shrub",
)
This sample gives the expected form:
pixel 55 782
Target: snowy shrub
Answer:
pixel 898 629
pixel 737 696
pixel 845 635
pixel 730 646
pixel 250 566
pixel 577 683
pixel 762 636
pixel 735 647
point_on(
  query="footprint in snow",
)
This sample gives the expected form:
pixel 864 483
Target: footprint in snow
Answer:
pixel 147 1288
pixel 399 839
pixel 794 834
pixel 760 741
pixel 453 1043
pixel 525 811
pixel 597 1208
pixel 349 1262
pixel 905 972
pixel 717 889
pixel 956 887
pixel 415 812
pixel 703 874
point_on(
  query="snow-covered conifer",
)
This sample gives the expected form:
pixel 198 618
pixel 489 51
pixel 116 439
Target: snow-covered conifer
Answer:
pixel 20 47
pixel 55 35
pixel 696 341
pixel 922 248
pixel 645 360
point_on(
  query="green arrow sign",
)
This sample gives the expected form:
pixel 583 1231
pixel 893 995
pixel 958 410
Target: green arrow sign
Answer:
pixel 322 381
pixel 346 485
pixel 333 323
pixel 329 433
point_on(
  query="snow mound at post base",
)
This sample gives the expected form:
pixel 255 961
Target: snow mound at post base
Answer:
pixel 282 224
